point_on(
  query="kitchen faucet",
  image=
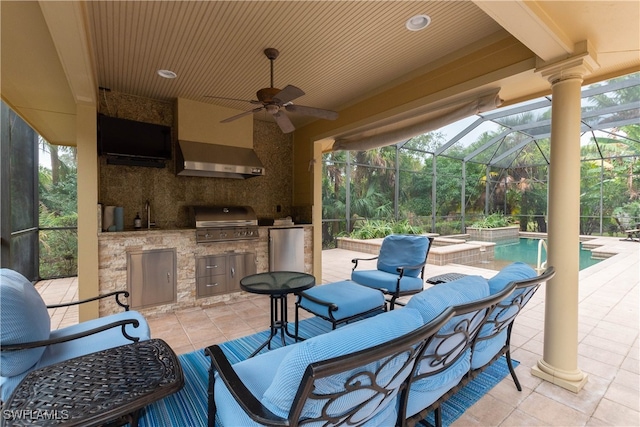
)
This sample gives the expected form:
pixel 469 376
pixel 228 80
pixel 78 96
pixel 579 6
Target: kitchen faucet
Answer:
pixel 147 208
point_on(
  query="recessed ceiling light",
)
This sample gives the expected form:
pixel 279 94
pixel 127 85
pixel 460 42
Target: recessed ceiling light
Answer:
pixel 418 22
pixel 167 74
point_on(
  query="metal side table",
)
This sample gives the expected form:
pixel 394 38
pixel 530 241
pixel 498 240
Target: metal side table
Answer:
pixel 277 284
pixel 109 386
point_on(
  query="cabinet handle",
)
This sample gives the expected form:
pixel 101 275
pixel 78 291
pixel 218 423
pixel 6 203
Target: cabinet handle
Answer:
pixel 211 285
pixel 168 277
pixel 233 272
pixel 212 266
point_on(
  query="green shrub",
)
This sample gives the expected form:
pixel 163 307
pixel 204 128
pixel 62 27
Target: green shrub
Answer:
pixel 378 228
pixel 495 220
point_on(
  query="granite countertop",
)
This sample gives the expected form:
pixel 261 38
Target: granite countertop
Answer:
pixel 128 231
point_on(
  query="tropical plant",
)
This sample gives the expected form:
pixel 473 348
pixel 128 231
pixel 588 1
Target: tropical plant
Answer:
pixel 58 212
pixel 374 229
pixel 495 220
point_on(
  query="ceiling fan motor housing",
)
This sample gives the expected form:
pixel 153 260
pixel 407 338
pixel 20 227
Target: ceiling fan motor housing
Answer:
pixel 267 94
pixel 274 99
pixel 271 53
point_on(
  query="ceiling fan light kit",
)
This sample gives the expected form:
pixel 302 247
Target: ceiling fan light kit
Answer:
pixel 275 101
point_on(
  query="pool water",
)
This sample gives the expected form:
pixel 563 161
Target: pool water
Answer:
pixel 526 250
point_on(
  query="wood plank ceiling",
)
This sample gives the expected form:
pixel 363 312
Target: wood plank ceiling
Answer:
pixel 337 52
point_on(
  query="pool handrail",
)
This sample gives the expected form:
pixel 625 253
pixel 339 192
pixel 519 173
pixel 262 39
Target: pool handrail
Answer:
pixel 541 265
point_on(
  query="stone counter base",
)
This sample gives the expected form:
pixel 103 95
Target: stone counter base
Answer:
pixel 112 263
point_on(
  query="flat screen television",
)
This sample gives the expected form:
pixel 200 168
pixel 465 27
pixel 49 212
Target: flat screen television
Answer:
pixel 129 138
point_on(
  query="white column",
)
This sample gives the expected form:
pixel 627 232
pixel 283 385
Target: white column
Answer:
pixel 559 364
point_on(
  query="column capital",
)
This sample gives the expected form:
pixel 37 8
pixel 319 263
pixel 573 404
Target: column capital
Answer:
pixel 583 62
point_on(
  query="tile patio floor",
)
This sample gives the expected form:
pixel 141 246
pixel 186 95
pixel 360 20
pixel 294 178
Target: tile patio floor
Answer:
pixel 608 349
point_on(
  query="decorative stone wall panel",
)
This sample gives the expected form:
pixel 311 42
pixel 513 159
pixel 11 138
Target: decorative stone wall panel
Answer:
pixel 112 262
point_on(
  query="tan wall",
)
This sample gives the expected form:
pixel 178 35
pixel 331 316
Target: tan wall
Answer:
pixel 170 196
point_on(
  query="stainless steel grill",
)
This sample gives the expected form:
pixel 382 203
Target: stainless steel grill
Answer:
pixel 220 223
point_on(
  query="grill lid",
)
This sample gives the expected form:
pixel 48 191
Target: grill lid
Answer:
pixel 224 216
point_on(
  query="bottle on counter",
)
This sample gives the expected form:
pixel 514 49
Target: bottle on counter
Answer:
pixel 137 222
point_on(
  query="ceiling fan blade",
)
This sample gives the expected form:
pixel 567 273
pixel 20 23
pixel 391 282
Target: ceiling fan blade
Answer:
pixel 284 122
pixel 289 93
pixel 312 111
pixel 253 101
pixel 237 116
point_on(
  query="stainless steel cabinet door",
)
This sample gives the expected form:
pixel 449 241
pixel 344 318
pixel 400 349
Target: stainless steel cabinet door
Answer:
pixel 211 275
pixel 241 265
pixel 286 249
pixel 151 277
pixel 207 266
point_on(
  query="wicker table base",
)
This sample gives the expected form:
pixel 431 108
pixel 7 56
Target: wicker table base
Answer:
pixel 107 386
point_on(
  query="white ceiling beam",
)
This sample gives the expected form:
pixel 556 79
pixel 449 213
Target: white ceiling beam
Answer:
pixel 530 24
pixel 67 25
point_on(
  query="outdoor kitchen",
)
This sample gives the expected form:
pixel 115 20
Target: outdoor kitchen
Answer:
pixel 164 200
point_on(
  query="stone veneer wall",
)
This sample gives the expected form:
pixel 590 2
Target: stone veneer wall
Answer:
pixel 112 263
pixel 170 196
pixel 444 250
pixel 499 234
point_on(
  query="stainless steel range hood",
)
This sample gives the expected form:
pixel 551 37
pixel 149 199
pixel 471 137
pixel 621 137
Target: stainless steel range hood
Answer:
pixel 218 161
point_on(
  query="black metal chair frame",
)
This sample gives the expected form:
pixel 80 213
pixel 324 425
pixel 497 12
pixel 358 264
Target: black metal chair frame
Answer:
pixel 448 347
pixel 527 289
pixel 633 235
pixel 120 323
pixel 406 348
pixel 396 293
pixel 493 308
pixel 332 308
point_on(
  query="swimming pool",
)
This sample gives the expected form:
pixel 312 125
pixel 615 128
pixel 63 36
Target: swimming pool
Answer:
pixel 526 250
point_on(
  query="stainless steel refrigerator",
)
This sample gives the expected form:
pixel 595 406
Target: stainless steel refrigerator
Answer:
pixel 286 249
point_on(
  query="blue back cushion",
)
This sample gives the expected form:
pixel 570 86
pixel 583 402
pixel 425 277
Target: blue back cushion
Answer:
pixel 431 302
pixel 516 271
pixel 434 300
pixel 24 318
pixel 348 339
pixel 399 249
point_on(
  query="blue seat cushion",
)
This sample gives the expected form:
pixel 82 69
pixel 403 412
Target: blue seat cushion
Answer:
pixel 427 390
pixel 402 250
pixel 101 341
pixel 357 336
pixel 24 318
pixel 80 346
pixel 350 297
pixel 257 374
pixel 515 271
pixel 388 282
pixel 431 302
pixel 486 349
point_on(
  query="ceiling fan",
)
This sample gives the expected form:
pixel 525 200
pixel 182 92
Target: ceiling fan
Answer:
pixel 276 102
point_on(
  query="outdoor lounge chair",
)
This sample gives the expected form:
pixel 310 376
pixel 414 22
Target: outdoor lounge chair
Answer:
pixel 633 234
pixel 400 266
pixel 27 343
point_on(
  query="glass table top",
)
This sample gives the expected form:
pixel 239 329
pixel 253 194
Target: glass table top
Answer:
pixel 277 282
